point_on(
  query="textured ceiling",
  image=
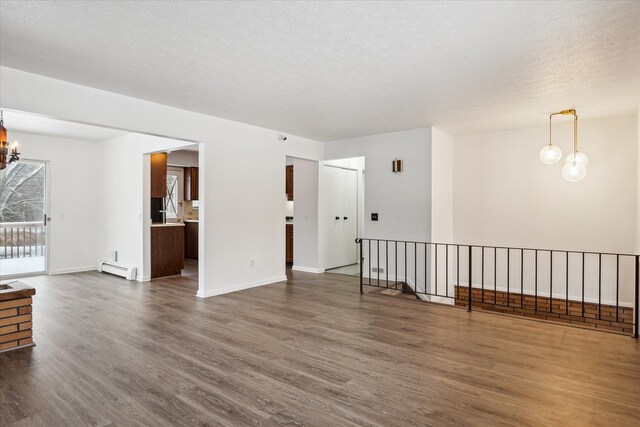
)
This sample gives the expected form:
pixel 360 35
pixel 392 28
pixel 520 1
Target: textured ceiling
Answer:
pixel 340 69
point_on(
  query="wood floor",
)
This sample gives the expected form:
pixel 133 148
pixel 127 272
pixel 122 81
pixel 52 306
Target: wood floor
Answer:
pixel 311 351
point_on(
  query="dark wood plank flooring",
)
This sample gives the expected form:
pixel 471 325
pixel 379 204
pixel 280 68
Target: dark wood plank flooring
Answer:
pixel 311 351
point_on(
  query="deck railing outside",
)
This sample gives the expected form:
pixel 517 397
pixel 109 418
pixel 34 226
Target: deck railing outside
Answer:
pixel 21 239
pixel 596 288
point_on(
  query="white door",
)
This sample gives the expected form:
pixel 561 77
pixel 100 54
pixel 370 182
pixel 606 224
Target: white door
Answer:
pixel 175 196
pixel 342 222
pixel 23 219
pixel 334 221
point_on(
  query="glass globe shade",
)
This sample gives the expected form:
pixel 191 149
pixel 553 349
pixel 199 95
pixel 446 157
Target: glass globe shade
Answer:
pixel 579 157
pixel 550 154
pixel 574 171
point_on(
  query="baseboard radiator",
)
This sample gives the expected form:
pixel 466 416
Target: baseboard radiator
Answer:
pixel 116 269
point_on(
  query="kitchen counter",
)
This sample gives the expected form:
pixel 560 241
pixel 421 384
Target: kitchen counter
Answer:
pixel 167 249
pixel 190 220
pixel 168 224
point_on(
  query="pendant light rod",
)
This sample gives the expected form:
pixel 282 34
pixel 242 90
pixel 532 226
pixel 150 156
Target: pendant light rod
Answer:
pixel 564 113
pixel 575 134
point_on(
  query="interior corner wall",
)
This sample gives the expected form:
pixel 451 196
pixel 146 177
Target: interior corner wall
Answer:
pixel 402 200
pixel 504 195
pixel 442 170
pixel 305 215
pixel 246 198
pixel 125 198
pixel 74 174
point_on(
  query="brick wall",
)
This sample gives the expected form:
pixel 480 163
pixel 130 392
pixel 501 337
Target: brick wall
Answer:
pixel 603 317
pixel 15 323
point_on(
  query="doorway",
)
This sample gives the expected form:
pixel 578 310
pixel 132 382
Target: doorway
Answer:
pixel 342 204
pixel 23 219
pixel 343 195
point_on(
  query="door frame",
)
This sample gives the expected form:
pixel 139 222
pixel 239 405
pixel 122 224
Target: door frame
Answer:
pixel 357 226
pixel 47 228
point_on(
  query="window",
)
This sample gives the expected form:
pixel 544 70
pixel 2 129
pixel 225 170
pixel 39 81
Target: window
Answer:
pixel 172 197
pixel 173 201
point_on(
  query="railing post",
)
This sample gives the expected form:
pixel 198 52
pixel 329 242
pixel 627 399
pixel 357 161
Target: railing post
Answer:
pixel 637 298
pixel 359 241
pixel 470 277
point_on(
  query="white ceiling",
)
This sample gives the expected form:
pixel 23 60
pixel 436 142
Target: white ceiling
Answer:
pixel 340 69
pixel 18 122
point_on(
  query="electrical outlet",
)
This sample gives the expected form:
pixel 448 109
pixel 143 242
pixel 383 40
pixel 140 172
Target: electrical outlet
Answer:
pixel 252 263
pixel 377 270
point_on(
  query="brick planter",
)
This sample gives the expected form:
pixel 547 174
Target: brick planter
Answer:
pixel 15 316
pixel 556 311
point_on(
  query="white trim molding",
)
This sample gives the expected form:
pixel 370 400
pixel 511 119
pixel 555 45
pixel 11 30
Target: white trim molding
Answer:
pixel 240 287
pixel 307 269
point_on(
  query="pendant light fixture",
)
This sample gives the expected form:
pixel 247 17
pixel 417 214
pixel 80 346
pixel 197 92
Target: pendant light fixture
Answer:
pixel 575 167
pixel 4 146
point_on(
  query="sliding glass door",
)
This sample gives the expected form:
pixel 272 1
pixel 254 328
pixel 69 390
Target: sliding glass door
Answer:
pixel 23 221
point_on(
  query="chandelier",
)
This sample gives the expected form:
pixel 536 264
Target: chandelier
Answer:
pixel 575 165
pixel 4 146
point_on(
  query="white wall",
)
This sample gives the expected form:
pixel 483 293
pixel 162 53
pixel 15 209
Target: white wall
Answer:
pixel 74 176
pixel 305 215
pixel 246 207
pixel 504 196
pixel 402 200
pixel 442 170
pixel 125 198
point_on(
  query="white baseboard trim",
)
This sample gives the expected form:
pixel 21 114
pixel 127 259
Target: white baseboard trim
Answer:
pixel 307 269
pixel 72 270
pixel 239 287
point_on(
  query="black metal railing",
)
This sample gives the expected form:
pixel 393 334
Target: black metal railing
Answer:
pixel 596 289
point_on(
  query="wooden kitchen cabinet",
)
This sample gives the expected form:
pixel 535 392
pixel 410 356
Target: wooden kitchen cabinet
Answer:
pixel 167 250
pixel 159 175
pixel 289 242
pixel 191 183
pixel 191 240
pixel 289 183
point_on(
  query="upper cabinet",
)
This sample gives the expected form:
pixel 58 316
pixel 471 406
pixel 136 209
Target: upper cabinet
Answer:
pixel 289 183
pixel 191 183
pixel 159 175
